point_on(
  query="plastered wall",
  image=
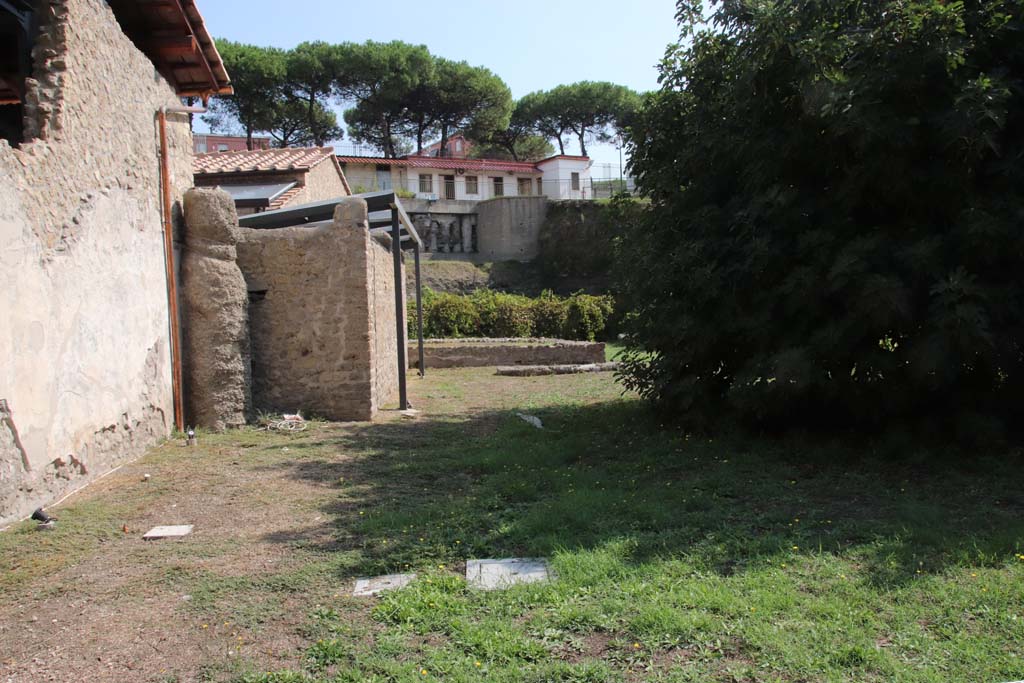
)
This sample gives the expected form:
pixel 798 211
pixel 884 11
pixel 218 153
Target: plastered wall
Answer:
pixel 84 348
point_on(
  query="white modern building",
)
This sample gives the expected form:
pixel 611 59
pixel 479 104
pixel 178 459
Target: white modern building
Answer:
pixel 461 179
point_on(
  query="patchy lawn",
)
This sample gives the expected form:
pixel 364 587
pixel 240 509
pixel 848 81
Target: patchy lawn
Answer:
pixel 677 559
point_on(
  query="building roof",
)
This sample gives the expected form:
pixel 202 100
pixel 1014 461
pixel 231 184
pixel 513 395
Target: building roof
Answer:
pixel 431 149
pixel 571 157
pixel 174 37
pixel 261 160
pixel 447 163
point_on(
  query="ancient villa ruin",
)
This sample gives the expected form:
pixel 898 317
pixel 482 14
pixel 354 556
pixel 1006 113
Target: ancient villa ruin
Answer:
pixel 299 318
pixel 102 247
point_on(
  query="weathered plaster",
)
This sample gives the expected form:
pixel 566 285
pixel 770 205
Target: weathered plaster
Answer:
pixel 84 366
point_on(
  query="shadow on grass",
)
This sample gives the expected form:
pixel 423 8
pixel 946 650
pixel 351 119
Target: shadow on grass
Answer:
pixel 443 489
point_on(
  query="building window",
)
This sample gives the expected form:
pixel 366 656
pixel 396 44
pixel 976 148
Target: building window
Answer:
pixel 17 35
pixel 426 183
pixel 525 186
pixel 458 145
pixel 221 147
pixel 540 186
pixel 575 181
pixel 499 187
pixel 471 185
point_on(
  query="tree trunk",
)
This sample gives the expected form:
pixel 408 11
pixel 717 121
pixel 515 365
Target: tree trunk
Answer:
pixel 317 136
pixel 582 133
pixel 561 145
pixel 385 127
pixel 248 138
pixel 442 151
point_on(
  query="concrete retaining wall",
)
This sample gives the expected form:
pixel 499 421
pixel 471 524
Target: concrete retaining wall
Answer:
pixel 508 228
pixel 464 353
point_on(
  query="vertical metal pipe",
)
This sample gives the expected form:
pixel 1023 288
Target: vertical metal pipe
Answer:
pixel 396 250
pixel 419 307
pixel 172 286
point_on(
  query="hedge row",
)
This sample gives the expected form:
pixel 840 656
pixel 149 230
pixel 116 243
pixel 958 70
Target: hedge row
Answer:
pixel 486 313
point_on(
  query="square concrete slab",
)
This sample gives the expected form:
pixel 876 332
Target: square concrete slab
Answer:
pixel 168 531
pixel 379 584
pixel 495 574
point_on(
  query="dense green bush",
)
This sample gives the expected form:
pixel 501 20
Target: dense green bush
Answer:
pixel 837 232
pixel 587 316
pixel 448 315
pixel 486 313
pixel 549 315
pixel 502 315
pixel 575 240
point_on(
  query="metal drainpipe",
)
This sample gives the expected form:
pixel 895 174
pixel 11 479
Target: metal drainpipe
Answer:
pixel 172 285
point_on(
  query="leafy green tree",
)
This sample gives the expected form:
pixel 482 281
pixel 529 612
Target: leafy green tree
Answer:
pixel 530 148
pixel 592 111
pixel 470 99
pixel 311 71
pixel 835 236
pixel 381 79
pixel 290 125
pixel 258 75
pixel 545 112
pixel 519 141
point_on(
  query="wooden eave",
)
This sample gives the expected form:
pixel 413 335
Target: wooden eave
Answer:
pixel 174 37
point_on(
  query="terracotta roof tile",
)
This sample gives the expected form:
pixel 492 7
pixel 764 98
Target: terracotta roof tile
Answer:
pixel 439 162
pixel 285 197
pixel 289 159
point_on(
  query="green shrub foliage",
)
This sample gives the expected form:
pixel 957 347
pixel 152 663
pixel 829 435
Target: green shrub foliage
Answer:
pixel 837 232
pixel 486 313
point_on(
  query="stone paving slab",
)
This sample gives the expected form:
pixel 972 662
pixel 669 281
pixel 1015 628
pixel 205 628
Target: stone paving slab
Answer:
pixel 496 574
pixel 379 584
pixel 172 531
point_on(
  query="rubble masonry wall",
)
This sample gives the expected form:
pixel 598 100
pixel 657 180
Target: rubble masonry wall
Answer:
pixel 85 380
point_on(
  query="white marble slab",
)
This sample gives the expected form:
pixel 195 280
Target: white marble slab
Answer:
pixel 172 531
pixel 496 574
pixel 379 584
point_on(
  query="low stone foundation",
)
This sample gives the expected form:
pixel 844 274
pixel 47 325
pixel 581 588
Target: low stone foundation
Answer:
pixel 479 352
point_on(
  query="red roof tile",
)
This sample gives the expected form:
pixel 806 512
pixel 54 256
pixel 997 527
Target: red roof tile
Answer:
pixel 285 197
pixel 446 163
pixel 289 159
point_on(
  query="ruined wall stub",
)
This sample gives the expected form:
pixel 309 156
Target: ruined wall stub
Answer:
pixel 84 346
pixel 214 311
pixel 318 328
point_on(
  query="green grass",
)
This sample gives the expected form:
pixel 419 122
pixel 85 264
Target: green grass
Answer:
pixel 678 559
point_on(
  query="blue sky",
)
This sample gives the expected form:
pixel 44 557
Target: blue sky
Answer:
pixel 532 45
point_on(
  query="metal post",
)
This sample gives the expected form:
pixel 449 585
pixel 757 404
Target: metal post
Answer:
pixel 396 250
pixel 419 306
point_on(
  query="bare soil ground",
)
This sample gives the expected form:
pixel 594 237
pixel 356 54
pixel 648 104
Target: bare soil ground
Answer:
pixel 91 601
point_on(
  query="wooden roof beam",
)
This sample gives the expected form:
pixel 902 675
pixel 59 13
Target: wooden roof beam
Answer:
pixel 203 61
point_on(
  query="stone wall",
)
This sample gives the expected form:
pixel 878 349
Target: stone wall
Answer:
pixel 322 182
pixel 465 353
pixel 215 315
pixel 84 347
pixel 382 322
pixel 320 328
